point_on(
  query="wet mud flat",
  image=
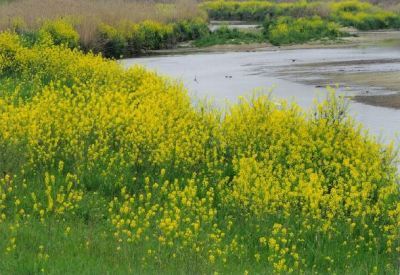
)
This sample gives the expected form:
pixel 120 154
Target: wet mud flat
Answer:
pixel 390 101
pixel 377 88
pixel 387 81
pixel 368 74
pixel 372 88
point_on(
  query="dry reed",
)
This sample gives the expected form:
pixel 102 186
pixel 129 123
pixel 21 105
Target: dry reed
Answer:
pixel 87 14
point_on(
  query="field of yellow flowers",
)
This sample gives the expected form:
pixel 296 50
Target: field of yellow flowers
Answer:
pixel 107 170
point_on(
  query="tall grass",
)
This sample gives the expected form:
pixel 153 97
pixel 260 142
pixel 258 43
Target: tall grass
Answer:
pixel 114 28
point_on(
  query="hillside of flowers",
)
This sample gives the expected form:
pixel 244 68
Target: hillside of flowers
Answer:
pixel 103 168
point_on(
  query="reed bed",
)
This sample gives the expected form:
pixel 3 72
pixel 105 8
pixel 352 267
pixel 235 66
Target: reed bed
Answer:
pixel 87 15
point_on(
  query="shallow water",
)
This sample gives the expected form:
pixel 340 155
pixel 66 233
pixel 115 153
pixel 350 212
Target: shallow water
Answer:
pixel 289 74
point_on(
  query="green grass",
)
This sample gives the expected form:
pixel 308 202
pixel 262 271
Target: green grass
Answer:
pixel 82 244
pixel 88 249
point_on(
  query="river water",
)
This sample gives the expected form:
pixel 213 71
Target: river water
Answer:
pixel 298 75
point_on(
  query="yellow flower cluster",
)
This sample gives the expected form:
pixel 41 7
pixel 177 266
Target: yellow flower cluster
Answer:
pixel 60 32
pixel 185 221
pixel 261 187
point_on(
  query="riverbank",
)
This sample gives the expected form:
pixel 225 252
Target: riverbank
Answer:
pixel 386 82
pixel 106 168
pixel 295 74
pixel 389 81
pixel 356 39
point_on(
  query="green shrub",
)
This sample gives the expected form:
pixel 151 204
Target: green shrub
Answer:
pixel 287 30
pixel 225 35
pixel 233 10
pixel 191 29
pixel 354 13
pixel 257 10
pixel 61 32
pixel 135 39
pixel 350 6
pixel 363 16
pixel 9 47
pixel 129 39
pixel 368 21
pixel 254 10
pixel 112 42
pixel 12 157
pixel 156 35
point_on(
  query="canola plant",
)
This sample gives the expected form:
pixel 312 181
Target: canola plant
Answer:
pixel 104 168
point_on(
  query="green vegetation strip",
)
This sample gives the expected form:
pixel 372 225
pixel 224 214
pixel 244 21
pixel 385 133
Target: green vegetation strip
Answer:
pixel 287 30
pixel 126 39
pixel 353 13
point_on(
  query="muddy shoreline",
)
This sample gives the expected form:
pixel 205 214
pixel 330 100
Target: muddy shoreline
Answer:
pixel 389 81
pixel 356 39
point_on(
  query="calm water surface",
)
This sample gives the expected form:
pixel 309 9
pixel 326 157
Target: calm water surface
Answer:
pixel 290 74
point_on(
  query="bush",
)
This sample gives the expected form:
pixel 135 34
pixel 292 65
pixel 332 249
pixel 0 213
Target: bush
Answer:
pixel 258 10
pixel 61 32
pixel 131 39
pixel 368 21
pixel 112 42
pixel 233 10
pixel 191 29
pixel 286 30
pixel 155 35
pixel 226 35
pixel 363 16
pixel 12 158
pixel 351 6
pixel 9 48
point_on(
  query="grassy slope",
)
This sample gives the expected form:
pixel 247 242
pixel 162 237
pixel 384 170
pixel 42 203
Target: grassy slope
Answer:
pixel 262 176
